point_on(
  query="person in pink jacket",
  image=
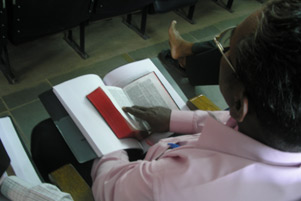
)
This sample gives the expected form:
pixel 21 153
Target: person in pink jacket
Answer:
pixel 250 152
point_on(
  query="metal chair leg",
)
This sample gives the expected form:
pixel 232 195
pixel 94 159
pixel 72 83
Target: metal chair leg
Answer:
pixel 227 6
pixel 80 49
pixel 5 66
pixel 189 16
pixel 140 31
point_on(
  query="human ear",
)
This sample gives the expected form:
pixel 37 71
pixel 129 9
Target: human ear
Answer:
pixel 240 108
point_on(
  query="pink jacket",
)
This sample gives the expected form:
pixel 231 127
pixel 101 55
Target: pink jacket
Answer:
pixel 215 163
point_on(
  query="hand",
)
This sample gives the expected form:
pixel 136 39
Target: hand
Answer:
pixel 157 117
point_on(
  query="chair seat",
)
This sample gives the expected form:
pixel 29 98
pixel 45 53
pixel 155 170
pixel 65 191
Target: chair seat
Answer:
pixel 69 180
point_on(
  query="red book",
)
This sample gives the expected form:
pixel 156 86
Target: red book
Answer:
pixel 111 115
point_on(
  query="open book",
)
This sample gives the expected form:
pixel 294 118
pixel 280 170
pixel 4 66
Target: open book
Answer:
pixel 137 83
pixel 145 91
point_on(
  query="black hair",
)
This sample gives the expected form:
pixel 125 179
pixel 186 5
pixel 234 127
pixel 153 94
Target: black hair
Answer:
pixel 268 63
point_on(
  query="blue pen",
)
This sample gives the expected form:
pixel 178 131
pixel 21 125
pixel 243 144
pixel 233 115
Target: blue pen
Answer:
pixel 173 145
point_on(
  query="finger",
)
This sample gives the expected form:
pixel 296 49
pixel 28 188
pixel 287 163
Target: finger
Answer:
pixel 133 108
pixel 125 109
pixel 140 108
pixel 136 112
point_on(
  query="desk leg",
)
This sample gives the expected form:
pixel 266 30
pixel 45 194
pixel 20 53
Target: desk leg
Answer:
pixel 5 66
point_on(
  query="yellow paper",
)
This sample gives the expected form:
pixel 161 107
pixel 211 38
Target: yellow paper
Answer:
pixel 201 102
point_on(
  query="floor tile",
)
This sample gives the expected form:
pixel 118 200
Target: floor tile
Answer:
pixel 228 23
pixel 27 117
pixel 103 67
pixel 209 31
pixel 149 52
pixel 67 76
pixel 189 37
pixel 99 68
pixel 154 50
pixel 4 114
pixel 2 106
pixel 26 95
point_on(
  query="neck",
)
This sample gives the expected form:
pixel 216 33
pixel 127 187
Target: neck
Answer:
pixel 252 128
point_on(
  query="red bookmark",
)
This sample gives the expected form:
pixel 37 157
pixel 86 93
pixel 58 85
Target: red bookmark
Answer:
pixel 109 112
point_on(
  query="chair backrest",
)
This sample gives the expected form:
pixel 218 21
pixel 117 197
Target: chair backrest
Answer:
pixel 162 6
pixel 111 8
pixel 3 23
pixel 32 19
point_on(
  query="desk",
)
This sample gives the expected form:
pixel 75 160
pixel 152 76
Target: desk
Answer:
pixel 72 135
pixel 2 198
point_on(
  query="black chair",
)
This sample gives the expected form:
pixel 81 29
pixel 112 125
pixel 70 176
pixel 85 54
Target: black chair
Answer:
pixel 32 19
pixel 163 6
pixel 104 9
pixel 111 8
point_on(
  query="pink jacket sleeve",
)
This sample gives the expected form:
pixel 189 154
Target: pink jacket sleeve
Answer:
pixel 117 179
pixel 192 122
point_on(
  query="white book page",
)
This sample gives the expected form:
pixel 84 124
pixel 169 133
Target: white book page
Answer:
pixel 72 94
pixel 20 162
pixel 123 75
pixel 120 97
pixel 122 100
pixel 148 91
pixel 126 74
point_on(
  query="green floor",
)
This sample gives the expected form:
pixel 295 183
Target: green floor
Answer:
pixel 43 63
